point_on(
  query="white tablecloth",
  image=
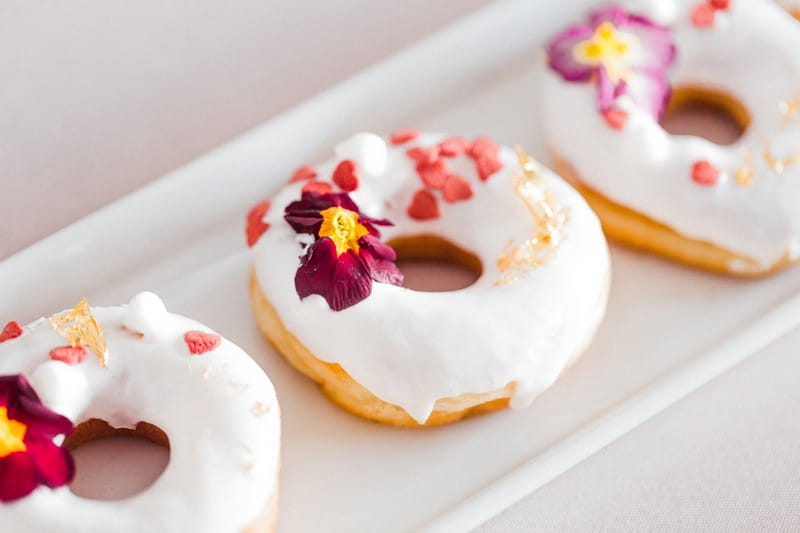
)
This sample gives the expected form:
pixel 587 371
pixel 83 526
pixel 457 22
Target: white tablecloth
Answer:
pixel 102 97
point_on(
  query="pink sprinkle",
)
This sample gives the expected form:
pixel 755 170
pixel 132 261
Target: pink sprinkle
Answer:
pixel 71 355
pixel 344 175
pixel 304 173
pixel 319 187
pixel 616 118
pixel 11 331
pixel 453 146
pixel 487 165
pixel 456 189
pixel 403 136
pixel 704 173
pixel 200 341
pixel 483 147
pixel 255 224
pixel 421 154
pixel 423 206
pixel 432 174
pixel 703 15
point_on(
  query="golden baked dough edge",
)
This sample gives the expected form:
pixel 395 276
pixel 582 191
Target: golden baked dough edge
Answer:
pixel 636 230
pixel 344 391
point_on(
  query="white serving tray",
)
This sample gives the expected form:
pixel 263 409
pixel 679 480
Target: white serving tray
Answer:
pixel 668 329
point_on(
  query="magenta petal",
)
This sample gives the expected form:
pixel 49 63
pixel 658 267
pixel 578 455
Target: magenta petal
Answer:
pixel 560 54
pixel 39 419
pixel 17 476
pixel 55 466
pixel 607 93
pixel 343 281
pixel 657 48
pixel 614 14
pixel 379 258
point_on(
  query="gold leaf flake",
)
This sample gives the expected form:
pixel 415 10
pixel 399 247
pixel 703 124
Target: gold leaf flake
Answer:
pixel 548 222
pixel 789 109
pixel 260 409
pixel 746 172
pixel 778 164
pixel 81 329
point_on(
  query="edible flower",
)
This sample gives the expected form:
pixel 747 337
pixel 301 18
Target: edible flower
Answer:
pixel 618 51
pixel 28 455
pixel 346 255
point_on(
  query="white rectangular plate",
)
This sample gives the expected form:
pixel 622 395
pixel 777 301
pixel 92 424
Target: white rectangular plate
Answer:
pixel 668 329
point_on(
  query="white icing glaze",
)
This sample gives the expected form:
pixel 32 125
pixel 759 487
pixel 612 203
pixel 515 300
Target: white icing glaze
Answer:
pixel 410 348
pixel 750 53
pixel 223 445
pixel 367 150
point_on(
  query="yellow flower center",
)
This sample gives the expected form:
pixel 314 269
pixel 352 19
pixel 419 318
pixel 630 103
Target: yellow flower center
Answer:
pixel 12 434
pixel 607 47
pixel 343 227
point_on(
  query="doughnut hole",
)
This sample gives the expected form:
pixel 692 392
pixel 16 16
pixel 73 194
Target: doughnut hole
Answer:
pixel 714 115
pixel 432 264
pixel 116 463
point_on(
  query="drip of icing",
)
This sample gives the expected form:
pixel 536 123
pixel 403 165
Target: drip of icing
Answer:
pixel 367 150
pixel 61 387
pixel 146 314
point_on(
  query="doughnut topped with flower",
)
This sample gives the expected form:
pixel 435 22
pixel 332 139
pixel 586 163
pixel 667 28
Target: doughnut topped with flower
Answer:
pixel 136 369
pixel 328 293
pixel 612 76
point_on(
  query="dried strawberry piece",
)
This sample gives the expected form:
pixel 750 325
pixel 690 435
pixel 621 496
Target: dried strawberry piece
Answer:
pixel 403 136
pixel 423 206
pixel 11 331
pixel 487 165
pixel 422 154
pixel 483 147
pixel 344 175
pixel 456 189
pixel 304 173
pixel 433 174
pixel 703 15
pixel 453 146
pixel 720 4
pixel 255 224
pixel 319 187
pixel 704 173
pixel 616 118
pixel 201 342
pixel 71 355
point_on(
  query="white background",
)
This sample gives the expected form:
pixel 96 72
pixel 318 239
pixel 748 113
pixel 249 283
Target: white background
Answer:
pixel 99 98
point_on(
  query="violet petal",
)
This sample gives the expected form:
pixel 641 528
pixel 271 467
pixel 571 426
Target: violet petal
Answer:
pixel 343 281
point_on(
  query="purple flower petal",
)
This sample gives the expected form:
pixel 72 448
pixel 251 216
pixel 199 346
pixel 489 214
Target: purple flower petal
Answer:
pixel 343 281
pixel 614 14
pixel 656 50
pixel 560 54
pixel 55 466
pixel 17 476
pixel 304 214
pixel 607 92
pixel 40 420
pixel 379 259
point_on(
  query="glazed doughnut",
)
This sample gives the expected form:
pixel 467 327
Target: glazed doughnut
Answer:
pixel 140 370
pixel 611 77
pixel 327 293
